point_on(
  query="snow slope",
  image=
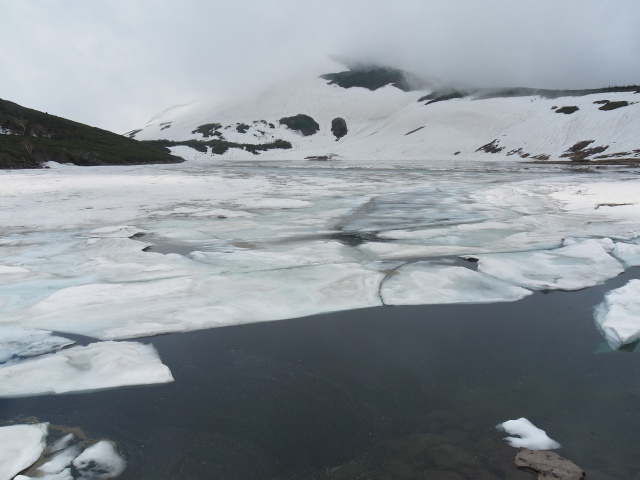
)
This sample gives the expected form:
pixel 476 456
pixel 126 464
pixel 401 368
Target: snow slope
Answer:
pixel 380 123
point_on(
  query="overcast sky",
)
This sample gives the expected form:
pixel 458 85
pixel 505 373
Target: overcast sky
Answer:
pixel 116 63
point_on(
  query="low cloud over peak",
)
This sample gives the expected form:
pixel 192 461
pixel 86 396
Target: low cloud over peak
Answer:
pixel 114 64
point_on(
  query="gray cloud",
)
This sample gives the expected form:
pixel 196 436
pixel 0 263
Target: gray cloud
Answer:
pixel 114 64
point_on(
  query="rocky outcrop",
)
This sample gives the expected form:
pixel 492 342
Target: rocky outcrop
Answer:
pixel 301 123
pixel 493 147
pixel 548 465
pixel 568 110
pixel 339 127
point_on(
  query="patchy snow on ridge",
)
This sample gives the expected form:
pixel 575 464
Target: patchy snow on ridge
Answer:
pixel 390 123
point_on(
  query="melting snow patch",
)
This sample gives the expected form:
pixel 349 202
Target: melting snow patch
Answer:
pixel 428 283
pixel 618 316
pixel 60 461
pixel 528 435
pixel 100 461
pixel 94 367
pixel 572 267
pixel 20 447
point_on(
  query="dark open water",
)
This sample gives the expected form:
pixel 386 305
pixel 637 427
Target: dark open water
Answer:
pixel 380 393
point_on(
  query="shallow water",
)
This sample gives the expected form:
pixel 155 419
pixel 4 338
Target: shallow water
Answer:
pixel 375 393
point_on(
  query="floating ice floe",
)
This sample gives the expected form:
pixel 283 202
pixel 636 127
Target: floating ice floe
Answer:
pixel 20 447
pixel 20 342
pixel 424 283
pixel 528 435
pixel 94 367
pixel 629 253
pixel 572 267
pixel 618 316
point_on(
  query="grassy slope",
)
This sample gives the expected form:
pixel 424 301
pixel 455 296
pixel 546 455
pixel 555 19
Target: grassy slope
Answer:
pixel 37 137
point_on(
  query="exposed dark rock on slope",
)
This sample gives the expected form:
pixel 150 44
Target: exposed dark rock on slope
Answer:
pixel 219 147
pixel 301 123
pixel 567 110
pixel 450 93
pixel 373 78
pixel 339 127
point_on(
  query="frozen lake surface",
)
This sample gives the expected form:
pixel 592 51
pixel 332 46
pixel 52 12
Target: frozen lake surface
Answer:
pixel 102 255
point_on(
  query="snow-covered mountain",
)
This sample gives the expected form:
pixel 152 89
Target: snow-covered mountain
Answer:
pixel 398 122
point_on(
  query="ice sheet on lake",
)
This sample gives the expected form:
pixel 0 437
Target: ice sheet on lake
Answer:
pixel 424 283
pixel 93 367
pixel 20 342
pixel 260 243
pixel 197 302
pixel 618 316
pixel 20 447
pixel 528 435
pixel 573 267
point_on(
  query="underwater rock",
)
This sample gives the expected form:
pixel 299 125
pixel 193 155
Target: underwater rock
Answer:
pixel 548 465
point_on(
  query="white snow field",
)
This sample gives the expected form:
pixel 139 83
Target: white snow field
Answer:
pixel 389 123
pixel 528 435
pixel 618 316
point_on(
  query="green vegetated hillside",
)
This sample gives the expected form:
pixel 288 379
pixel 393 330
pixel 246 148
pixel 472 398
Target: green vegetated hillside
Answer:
pixel 28 138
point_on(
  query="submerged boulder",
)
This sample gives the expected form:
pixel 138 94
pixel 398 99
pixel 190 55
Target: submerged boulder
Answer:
pixel 548 465
pixel 339 127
